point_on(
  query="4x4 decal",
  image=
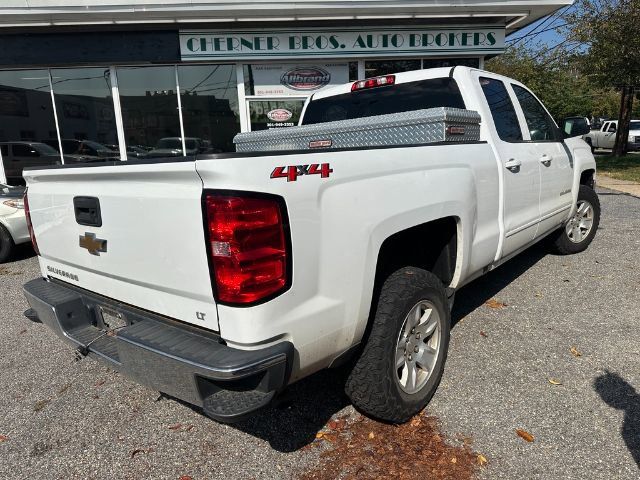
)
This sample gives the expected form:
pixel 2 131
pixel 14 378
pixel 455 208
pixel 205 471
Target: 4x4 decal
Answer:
pixel 292 172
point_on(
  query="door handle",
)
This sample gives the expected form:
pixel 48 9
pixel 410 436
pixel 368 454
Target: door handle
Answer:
pixel 546 160
pixel 513 164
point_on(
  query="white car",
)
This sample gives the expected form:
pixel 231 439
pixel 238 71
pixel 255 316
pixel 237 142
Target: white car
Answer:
pixel 13 222
pixel 222 278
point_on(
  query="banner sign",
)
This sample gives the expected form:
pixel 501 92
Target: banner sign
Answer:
pixel 347 42
pixel 297 79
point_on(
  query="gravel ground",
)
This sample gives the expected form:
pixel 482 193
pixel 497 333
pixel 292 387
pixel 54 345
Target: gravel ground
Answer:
pixel 67 419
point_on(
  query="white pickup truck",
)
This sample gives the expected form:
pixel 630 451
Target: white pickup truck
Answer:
pixel 606 136
pixel 222 278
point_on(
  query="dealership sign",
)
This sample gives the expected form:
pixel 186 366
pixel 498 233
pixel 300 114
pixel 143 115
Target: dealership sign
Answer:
pixel 357 42
pixel 276 79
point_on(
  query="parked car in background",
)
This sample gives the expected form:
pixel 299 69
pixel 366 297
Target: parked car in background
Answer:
pixel 172 147
pixel 132 151
pixel 83 150
pixel 606 136
pixel 13 222
pixel 18 155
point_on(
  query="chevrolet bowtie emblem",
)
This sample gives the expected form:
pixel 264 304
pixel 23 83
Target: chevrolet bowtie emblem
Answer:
pixel 93 244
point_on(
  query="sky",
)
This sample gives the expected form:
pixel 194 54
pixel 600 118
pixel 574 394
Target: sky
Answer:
pixel 541 32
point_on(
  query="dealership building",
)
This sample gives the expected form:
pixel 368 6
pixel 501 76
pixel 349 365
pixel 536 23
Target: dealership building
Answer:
pixel 132 77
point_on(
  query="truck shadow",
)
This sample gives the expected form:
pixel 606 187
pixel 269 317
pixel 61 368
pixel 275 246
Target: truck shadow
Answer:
pixel 619 394
pixel 306 406
pixel 474 295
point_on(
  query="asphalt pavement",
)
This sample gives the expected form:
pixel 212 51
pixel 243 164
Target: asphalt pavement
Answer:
pixel 556 354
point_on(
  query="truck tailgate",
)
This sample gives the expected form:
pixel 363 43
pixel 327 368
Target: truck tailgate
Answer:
pixel 151 230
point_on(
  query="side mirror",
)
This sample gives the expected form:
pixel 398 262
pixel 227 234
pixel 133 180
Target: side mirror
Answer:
pixel 575 127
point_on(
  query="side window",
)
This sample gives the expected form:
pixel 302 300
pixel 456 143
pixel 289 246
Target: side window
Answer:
pixel 612 127
pixel 21 150
pixel 4 150
pixel 502 111
pixel 541 125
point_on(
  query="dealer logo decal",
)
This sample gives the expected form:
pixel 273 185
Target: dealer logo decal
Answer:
pixel 305 78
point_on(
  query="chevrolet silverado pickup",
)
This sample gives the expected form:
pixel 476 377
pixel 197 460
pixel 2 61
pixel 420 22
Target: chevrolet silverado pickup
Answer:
pixel 606 136
pixel 220 279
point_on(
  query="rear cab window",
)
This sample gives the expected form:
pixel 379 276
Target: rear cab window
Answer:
pixel 401 97
pixel 502 110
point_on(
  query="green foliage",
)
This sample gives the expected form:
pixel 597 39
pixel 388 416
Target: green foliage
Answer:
pixel 626 167
pixel 611 29
pixel 557 81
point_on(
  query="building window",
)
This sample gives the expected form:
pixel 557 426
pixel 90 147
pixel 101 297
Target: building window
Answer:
pixel 376 68
pixel 26 111
pixel 85 112
pixel 150 110
pixel 210 114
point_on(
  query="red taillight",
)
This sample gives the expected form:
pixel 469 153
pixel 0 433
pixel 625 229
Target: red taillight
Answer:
pixel 27 213
pixel 248 247
pixel 373 82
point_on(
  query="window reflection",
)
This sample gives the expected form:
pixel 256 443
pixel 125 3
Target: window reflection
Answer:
pixel 209 98
pixel 85 114
pixel 150 110
pixel 26 116
pixel 385 67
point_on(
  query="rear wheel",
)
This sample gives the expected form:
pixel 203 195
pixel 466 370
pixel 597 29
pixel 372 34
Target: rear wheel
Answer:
pixel 7 246
pixel 403 359
pixel 579 231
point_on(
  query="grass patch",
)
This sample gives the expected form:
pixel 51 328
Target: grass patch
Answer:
pixel 626 167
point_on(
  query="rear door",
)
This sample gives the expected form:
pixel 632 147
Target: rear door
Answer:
pixel 556 166
pixel 131 232
pixel 521 173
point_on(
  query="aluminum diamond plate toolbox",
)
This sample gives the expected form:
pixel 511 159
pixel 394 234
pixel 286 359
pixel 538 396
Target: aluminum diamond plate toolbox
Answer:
pixel 407 128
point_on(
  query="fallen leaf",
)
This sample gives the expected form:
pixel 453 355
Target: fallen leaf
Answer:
pixel 483 333
pixel 454 460
pixel 482 460
pixel 185 477
pixel 525 435
pixel 553 381
pixel 177 426
pixel 495 304
pixel 137 451
pixel 336 424
pixel 99 383
pixel 538 295
pixel 3 438
pixel 372 435
pixel 416 422
pixel 24 330
pixel 575 352
pixel 319 435
pixel 188 428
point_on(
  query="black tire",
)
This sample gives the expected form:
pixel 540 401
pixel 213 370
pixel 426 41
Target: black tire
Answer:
pixel 7 246
pixel 562 243
pixel 373 385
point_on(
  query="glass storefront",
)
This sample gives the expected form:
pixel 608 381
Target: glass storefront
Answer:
pixel 26 113
pixel 155 106
pixel 85 113
pixel 149 102
pixel 209 98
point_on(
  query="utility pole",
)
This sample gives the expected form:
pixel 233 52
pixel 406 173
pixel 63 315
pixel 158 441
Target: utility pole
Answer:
pixel 622 133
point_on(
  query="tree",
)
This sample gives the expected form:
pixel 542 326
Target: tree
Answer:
pixel 610 29
pixel 555 75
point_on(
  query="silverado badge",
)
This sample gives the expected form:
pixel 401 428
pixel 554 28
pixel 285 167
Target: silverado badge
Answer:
pixel 93 244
